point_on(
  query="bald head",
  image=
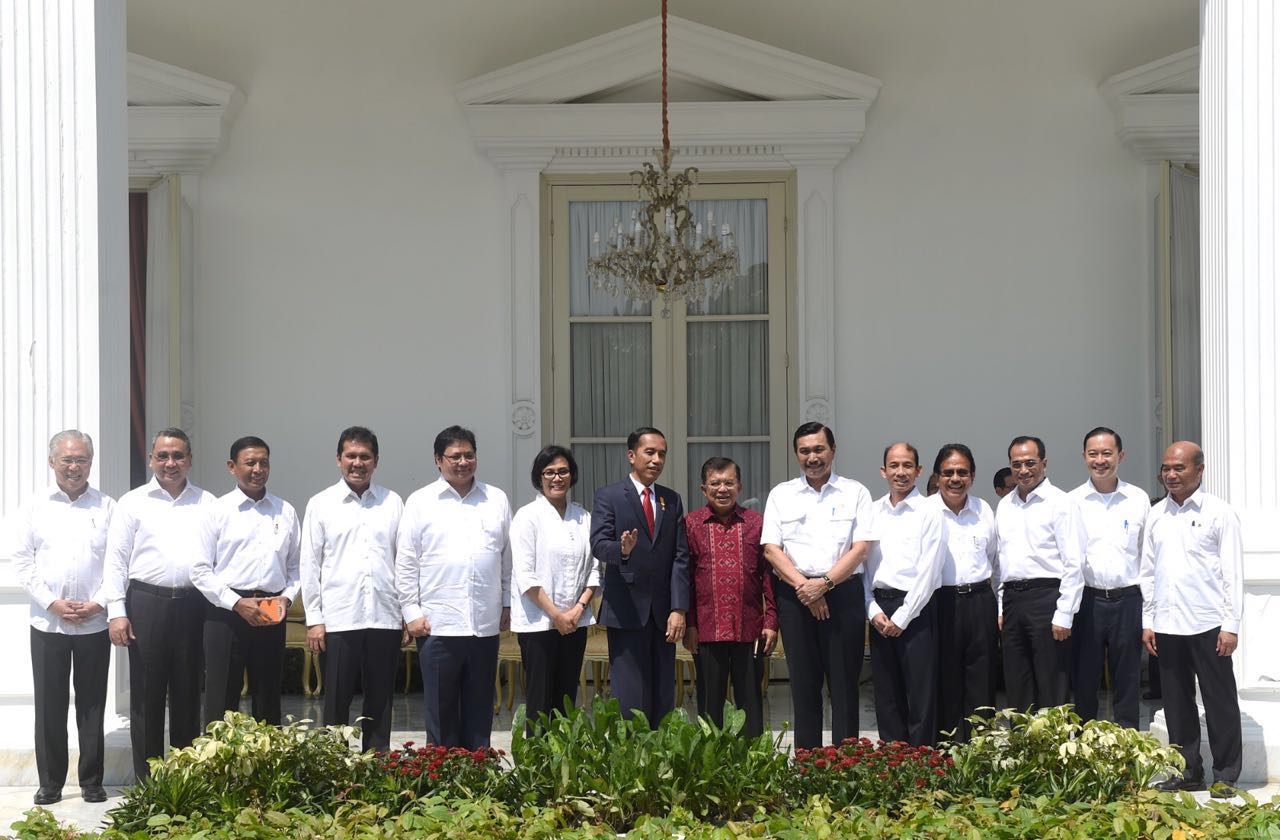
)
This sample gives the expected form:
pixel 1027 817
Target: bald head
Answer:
pixel 1182 469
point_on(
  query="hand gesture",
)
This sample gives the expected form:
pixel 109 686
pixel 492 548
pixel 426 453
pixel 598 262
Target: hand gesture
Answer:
pixel 628 543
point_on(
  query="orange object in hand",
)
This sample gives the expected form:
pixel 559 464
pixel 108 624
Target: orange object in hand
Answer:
pixel 272 609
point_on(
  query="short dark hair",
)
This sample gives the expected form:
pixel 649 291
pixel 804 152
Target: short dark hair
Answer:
pixel 358 434
pixel 811 428
pixel 717 463
pixel 248 442
pixel 915 453
pixel 1198 458
pixel 949 449
pixel 633 439
pixel 452 434
pixel 1103 430
pixel 172 432
pixel 545 457
pixel 1001 474
pixel 1021 439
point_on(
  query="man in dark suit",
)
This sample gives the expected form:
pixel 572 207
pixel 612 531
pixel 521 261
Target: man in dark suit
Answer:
pixel 637 530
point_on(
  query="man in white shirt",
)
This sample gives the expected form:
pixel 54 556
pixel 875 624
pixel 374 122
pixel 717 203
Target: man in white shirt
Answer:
pixel 152 605
pixel 903 569
pixel 815 536
pixel 56 543
pixel 1193 592
pixel 348 570
pixel 248 563
pixel 1042 545
pixel 453 577
pixel 1109 623
pixel 966 600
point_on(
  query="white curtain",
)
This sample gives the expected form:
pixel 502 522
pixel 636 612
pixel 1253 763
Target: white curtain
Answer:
pixel 1184 301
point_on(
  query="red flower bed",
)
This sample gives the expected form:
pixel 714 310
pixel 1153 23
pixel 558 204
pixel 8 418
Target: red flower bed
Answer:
pixel 869 774
pixel 450 771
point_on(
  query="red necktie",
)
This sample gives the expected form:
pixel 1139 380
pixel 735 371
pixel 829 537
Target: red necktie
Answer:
pixel 648 510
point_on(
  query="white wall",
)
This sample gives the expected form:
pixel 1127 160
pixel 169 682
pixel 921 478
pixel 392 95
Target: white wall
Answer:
pixel 993 262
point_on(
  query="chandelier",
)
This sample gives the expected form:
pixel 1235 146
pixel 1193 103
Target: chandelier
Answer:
pixel 664 251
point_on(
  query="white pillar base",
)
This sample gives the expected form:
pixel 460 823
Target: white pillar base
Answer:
pixel 1260 731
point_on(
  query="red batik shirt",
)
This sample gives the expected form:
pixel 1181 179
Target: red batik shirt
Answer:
pixel 732 583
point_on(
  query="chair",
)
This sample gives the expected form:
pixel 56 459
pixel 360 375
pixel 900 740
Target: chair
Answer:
pixel 410 651
pixel 508 655
pixel 596 657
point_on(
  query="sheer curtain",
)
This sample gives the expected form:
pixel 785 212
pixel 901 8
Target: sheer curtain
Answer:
pixel 1184 300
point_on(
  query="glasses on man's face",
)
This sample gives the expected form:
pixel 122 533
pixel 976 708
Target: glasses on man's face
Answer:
pixel 460 457
pixel 73 462
pixel 165 457
pixel 563 472
pixel 716 484
pixel 1029 464
pixel 958 472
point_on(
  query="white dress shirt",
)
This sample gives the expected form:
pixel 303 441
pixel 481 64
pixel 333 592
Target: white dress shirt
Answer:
pixel 969 543
pixel 1113 524
pixel 658 509
pixel 247 544
pixel 906 555
pixel 1043 537
pixel 57 548
pixel 816 527
pixel 1192 567
pixel 154 538
pixel 453 560
pixel 555 554
pixel 348 565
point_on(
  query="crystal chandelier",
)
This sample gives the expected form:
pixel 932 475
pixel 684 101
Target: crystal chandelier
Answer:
pixel 664 251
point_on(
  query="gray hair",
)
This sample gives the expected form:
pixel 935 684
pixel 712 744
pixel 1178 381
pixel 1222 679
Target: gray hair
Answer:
pixel 67 435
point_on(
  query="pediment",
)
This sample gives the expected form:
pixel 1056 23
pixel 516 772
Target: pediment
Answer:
pixel 1157 107
pixel 178 120
pixel 152 83
pixel 697 54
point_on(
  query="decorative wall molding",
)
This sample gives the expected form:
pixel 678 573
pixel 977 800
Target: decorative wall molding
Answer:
pixel 178 120
pixel 788 111
pixel 1157 107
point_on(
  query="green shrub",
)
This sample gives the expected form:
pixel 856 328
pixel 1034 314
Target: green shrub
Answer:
pixel 1053 753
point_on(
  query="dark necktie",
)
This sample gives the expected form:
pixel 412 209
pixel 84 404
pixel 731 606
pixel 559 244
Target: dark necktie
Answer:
pixel 648 510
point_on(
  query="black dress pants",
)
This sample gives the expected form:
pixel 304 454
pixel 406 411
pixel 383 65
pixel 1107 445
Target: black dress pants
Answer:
pixel 552 668
pixel 1185 661
pixel 165 661
pixel 1108 625
pixel 457 688
pixel 231 647
pixel 642 670
pixel 55 659
pixel 965 627
pixel 904 671
pixel 368 657
pixel 827 651
pixel 720 662
pixel 1037 669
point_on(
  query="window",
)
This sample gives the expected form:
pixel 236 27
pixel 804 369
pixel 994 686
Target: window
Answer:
pixel 713 376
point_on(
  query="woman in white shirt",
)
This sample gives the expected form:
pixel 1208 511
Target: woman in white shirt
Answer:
pixel 556 577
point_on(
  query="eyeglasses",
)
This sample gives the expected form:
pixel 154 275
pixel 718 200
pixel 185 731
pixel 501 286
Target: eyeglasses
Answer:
pixel 163 457
pixel 958 472
pixel 460 457
pixel 73 462
pixel 1028 464
pixel 563 472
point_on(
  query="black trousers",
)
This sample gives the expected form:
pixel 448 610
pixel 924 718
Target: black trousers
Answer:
pixel 1184 661
pixel 368 657
pixel 722 662
pixel 55 659
pixel 827 651
pixel 552 667
pixel 904 670
pixel 165 661
pixel 457 688
pixel 231 647
pixel 1109 627
pixel 1037 669
pixel 642 670
pixel 967 634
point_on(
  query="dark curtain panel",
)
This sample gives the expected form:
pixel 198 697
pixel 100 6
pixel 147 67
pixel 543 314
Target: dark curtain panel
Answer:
pixel 137 339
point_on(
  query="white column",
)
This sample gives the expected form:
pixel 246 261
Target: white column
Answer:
pixel 1239 311
pixel 64 322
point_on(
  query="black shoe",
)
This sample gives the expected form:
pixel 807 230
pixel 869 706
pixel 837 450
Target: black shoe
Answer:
pixel 1223 790
pixel 47 796
pixel 1178 783
pixel 93 793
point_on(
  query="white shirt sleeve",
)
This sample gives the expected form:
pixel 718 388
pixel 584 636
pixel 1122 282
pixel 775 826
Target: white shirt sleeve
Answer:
pixel 309 564
pixel 292 573
pixel 928 570
pixel 407 561
pixel 1068 531
pixel 115 567
pixel 1231 556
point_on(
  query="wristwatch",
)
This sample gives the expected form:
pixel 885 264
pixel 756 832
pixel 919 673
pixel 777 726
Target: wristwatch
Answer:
pixel 830 584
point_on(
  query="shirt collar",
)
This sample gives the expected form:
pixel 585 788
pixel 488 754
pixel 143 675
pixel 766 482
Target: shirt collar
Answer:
pixel 1121 488
pixel 706 514
pixel 833 481
pixel 242 501
pixel 1194 502
pixel 154 489
pixel 56 494
pixel 640 487
pixel 444 488
pixel 346 494
pixel 971 505
pixel 1038 493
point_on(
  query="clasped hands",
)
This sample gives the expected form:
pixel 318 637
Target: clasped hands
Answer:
pixel 813 594
pixel 75 612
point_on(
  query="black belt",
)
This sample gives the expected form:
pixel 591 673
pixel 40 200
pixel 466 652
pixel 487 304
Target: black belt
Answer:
pixel 887 592
pixel 969 588
pixel 1113 594
pixel 163 591
pixel 255 593
pixel 1032 583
